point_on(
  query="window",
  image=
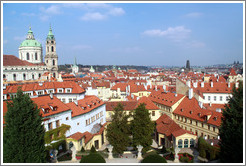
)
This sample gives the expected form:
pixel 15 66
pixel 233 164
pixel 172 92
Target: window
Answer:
pixel 33 76
pixel 60 90
pixel 190 121
pixel 180 143
pixel 208 137
pixel 46 61
pixel 36 56
pixel 86 122
pixel 70 100
pixel 221 97
pixel 40 93
pixel 27 56
pixel 208 127
pixel 78 123
pixel 196 123
pixel 50 126
pixel 52 49
pixel 196 132
pixel 192 142
pixel 185 120
pixel 54 62
pixel 208 98
pixel 57 123
pixel 153 113
pixel 52 42
pixel 214 98
pixel 213 128
pixel 14 77
pixel 202 124
pixel 67 118
pixel 63 100
pixel 186 143
pixel 204 97
pixel 24 76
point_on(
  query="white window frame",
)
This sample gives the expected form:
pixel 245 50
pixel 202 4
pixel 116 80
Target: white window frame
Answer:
pixel 68 90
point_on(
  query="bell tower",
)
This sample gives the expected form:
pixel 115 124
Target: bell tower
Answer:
pixel 51 58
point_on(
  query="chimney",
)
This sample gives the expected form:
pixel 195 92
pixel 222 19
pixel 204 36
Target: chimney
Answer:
pixel 40 83
pixel 76 102
pixel 190 93
pixel 156 88
pixel 229 84
pixel 188 83
pixel 51 95
pixel 200 104
pixel 210 104
pixel 164 87
pixel 202 84
pixel 212 84
pixel 195 84
pixel 176 95
pixel 236 85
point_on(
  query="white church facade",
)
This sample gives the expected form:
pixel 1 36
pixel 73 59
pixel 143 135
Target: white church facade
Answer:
pixel 30 65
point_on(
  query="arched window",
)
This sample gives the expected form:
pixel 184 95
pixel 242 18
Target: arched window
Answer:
pixel 4 76
pixel 192 142
pixel 54 62
pixel 39 75
pixel 186 143
pixel 36 56
pixel 52 42
pixel 54 75
pixel 33 76
pixel 180 143
pixel 47 42
pixel 24 76
pixel 14 77
pixel 52 49
pixel 47 49
pixel 27 56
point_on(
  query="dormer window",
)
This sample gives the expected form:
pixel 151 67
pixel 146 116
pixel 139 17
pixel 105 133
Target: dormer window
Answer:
pixel 190 112
pixel 181 109
pixel 199 114
pixel 51 107
pixel 215 118
pixel 54 108
pixel 68 90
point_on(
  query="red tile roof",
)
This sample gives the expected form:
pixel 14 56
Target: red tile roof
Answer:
pixel 85 105
pixel 165 125
pixel 165 98
pixel 148 103
pixel 190 108
pixel 218 87
pixel 127 105
pixel 232 72
pixel 11 60
pixel 122 86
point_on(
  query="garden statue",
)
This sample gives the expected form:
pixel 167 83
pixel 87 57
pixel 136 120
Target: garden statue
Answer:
pixel 110 148
pixel 73 149
pixel 139 151
pixel 176 154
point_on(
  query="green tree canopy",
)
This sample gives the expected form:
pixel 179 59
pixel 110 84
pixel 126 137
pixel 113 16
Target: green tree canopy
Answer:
pixel 118 131
pixel 142 127
pixel 23 136
pixel 231 130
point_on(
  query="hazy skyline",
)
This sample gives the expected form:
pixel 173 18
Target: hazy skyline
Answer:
pixel 130 33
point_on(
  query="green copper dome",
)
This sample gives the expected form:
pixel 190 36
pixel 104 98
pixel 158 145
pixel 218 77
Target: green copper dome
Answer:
pixel 30 40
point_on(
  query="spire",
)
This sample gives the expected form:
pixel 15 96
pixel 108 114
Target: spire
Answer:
pixel 50 34
pixel 75 62
pixel 30 34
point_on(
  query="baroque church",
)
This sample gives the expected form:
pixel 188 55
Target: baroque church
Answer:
pixel 30 65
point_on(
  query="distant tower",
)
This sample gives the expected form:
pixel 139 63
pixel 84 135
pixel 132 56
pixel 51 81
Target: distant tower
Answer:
pixel 30 49
pixel 188 65
pixel 75 68
pixel 51 57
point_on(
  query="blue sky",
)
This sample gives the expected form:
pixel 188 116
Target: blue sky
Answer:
pixel 130 33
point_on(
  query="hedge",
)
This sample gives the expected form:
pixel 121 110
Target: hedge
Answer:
pixel 154 158
pixel 206 150
pixel 93 158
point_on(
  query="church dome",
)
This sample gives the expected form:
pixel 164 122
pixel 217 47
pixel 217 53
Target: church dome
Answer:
pixel 30 40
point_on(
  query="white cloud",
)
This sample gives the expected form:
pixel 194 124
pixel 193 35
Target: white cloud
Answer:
pixel 20 38
pixel 116 11
pixel 53 10
pixel 28 14
pixel 44 17
pixel 81 47
pixel 93 16
pixel 194 15
pixel 174 33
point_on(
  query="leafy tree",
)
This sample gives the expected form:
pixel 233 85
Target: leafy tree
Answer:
pixel 118 131
pixel 23 136
pixel 142 127
pixel 231 129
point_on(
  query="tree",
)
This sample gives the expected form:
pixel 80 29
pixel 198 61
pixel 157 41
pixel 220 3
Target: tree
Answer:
pixel 142 127
pixel 118 131
pixel 154 158
pixel 231 129
pixel 23 136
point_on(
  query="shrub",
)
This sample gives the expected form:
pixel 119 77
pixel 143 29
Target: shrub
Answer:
pixel 65 157
pixel 93 149
pixel 186 158
pixel 169 156
pixel 154 158
pixel 206 150
pixel 93 158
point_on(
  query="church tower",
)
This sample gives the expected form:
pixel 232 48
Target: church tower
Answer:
pixel 51 58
